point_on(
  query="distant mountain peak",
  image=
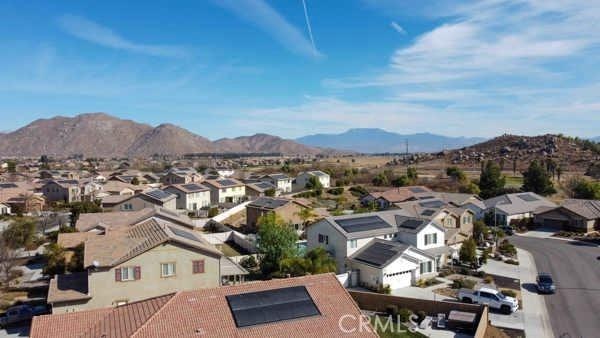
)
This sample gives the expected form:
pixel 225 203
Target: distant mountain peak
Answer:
pixel 377 140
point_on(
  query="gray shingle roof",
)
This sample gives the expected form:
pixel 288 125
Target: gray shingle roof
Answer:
pixel 519 203
pixel 269 203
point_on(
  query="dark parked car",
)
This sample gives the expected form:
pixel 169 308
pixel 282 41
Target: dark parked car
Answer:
pixel 21 313
pixel 508 230
pixel 545 284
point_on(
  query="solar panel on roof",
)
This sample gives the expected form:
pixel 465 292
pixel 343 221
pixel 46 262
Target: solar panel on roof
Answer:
pixel 432 204
pixel 427 212
pixel 426 197
pixel 362 224
pixel 184 234
pixel 378 253
pixel 417 190
pixel 226 182
pixel 528 197
pixel 158 194
pixel 8 185
pixel 411 223
pixel 192 187
pixel 262 307
pixel 264 185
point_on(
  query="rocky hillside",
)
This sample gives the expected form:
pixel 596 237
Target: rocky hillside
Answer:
pixel 571 153
pixel 262 143
pixel 102 135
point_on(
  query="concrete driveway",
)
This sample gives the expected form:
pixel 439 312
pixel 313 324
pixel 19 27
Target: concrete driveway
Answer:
pixel 575 266
pixel 541 232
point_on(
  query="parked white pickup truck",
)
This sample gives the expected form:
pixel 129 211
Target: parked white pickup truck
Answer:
pixel 491 297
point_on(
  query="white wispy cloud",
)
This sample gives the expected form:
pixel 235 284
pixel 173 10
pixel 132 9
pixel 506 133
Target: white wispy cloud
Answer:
pixel 397 27
pixel 93 32
pixel 260 14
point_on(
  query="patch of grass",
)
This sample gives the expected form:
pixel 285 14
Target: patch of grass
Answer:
pixel 514 181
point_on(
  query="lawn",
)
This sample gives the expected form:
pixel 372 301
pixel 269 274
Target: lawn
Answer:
pixel 392 331
pixel 514 181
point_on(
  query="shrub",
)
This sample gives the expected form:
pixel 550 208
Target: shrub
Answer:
pixel 212 212
pixel 420 316
pixel 512 262
pixel 391 310
pixel 404 314
pixel 386 289
pixel 509 293
pixel 488 279
pixel 336 191
pixel 463 283
pixel 479 274
pixel 249 263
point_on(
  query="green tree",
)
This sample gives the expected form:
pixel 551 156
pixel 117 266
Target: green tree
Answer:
pixel 480 230
pixel 400 181
pixel 270 192
pixel 276 241
pixel 75 264
pixel 11 166
pixel 56 262
pixel 84 207
pixel 135 181
pixel 306 215
pixel 468 251
pixel 537 179
pixel 319 261
pixel 491 181
pixel 584 189
pixel 20 233
pixel 412 174
pixel 380 180
pixel 470 188
pixel 456 174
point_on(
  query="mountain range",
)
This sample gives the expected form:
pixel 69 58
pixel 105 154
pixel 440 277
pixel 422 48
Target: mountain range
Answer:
pixel 374 140
pixel 102 135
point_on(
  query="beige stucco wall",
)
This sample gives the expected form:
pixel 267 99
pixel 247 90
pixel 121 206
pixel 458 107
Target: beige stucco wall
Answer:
pixel 105 291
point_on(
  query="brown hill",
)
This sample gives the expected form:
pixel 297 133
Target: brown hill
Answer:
pixel 102 135
pixel 572 154
pixel 262 143
pixel 169 139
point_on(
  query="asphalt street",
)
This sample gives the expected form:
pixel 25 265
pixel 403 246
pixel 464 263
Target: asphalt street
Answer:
pixel 574 309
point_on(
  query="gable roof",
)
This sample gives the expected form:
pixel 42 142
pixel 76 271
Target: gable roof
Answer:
pixel 588 209
pixel 260 186
pixel 185 314
pixel 189 187
pixel 400 194
pixel 269 203
pixel 158 195
pixel 519 203
pixel 122 245
pixel 68 287
pixel 385 221
pixel 116 219
pixel 224 183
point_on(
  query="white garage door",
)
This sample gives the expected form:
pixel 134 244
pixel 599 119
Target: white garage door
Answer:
pixel 398 280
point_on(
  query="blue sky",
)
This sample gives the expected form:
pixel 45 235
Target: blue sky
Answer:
pixel 237 67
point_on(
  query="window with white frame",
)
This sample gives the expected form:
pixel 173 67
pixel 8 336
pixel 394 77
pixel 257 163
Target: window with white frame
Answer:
pixel 128 273
pixel 426 267
pixel 431 239
pixel 167 269
pixel 353 244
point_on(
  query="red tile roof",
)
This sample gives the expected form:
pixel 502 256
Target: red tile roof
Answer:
pixel 206 313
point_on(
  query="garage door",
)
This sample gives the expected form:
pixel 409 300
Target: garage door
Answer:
pixel 554 223
pixel 398 280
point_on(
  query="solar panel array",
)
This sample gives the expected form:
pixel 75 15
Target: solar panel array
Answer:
pixel 378 253
pixel 417 190
pixel 270 203
pixel 193 187
pixel 411 223
pixel 362 224
pixel 8 185
pixel 528 197
pixel 158 194
pixel 432 204
pixel 227 182
pixel 255 308
pixel 428 212
pixel 184 234
pixel 264 185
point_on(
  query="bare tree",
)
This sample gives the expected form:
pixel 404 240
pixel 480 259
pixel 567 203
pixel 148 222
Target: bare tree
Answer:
pixel 7 262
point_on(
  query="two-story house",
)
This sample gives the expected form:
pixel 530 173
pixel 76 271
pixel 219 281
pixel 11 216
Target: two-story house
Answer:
pixel 132 263
pixel 146 199
pixel 181 176
pixel 305 176
pixel 288 210
pixel 258 189
pixel 282 182
pixel 226 190
pixel 67 191
pixel 192 196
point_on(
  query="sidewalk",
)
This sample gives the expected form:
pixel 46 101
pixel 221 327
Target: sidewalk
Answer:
pixel 537 321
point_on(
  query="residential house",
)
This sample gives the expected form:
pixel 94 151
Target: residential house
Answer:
pixel 220 172
pixel 258 189
pixel 192 196
pixel 146 199
pixel 120 188
pixel 344 235
pixel 509 207
pixel 67 191
pixel 282 182
pixel 390 263
pixel 287 209
pixel 226 190
pixel 572 215
pixel 304 177
pixel 27 203
pixel 385 199
pixel 91 190
pixel 4 209
pixel 181 176
pixel 133 263
pixel 59 175
pixel 106 221
pixel 309 306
